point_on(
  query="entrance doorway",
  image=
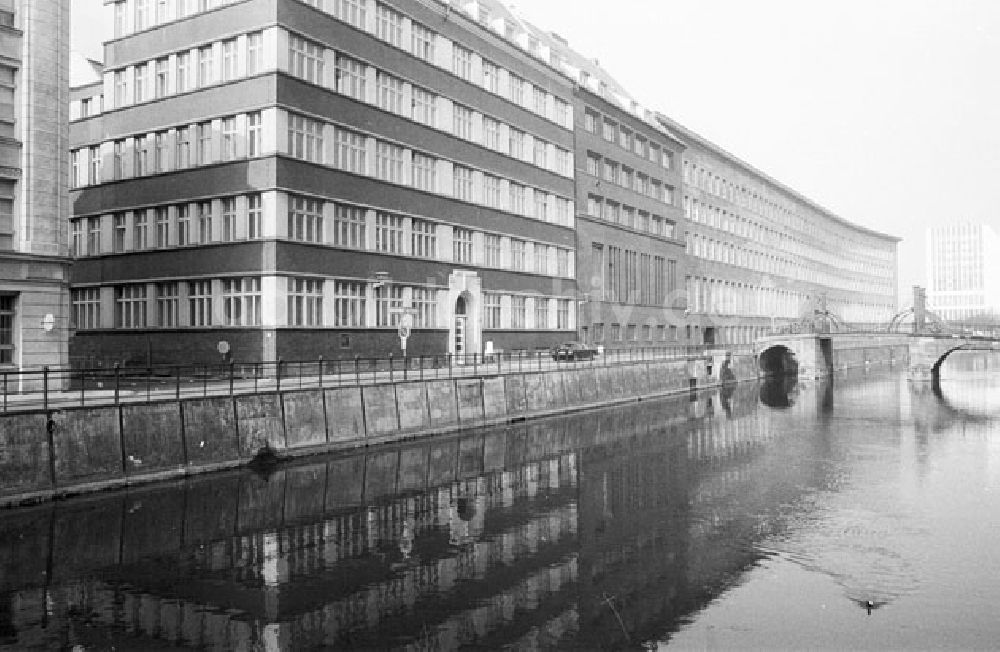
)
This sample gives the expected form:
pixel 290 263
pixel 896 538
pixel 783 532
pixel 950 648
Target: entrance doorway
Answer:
pixel 461 324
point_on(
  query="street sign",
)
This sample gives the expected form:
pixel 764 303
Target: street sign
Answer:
pixel 405 327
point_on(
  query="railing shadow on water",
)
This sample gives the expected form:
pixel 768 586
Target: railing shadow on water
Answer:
pixel 81 386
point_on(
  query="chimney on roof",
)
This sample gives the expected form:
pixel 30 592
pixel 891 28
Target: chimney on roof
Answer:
pixel 559 38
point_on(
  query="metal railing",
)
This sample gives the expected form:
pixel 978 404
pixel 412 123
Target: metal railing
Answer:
pixel 58 387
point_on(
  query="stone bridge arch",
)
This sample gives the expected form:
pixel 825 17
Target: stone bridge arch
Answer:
pixel 929 352
pixel 805 355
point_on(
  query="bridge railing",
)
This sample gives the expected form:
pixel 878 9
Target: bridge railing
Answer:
pixel 56 387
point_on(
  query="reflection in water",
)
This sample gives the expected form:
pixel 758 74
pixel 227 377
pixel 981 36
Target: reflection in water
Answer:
pixel 712 522
pixel 779 391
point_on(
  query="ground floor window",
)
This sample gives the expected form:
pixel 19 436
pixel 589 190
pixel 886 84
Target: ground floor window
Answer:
pixel 7 304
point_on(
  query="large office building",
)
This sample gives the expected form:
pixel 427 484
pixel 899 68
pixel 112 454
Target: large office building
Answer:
pixel 963 271
pixel 34 204
pixel 764 258
pixel 289 179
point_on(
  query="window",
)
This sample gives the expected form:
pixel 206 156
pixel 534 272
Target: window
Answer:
pixel 389 25
pixel 541 205
pixel 183 66
pixel 205 143
pixel 228 219
pixel 255 215
pixel 77 243
pixel 610 129
pixel 562 314
pixel 349 304
pixel 462 122
pixel 204 221
pixel 491 133
pixel 424 302
pixel 590 120
pixel 305 59
pixel 462 186
pixel 517 201
pixel 200 303
pixel 254 134
pixel 538 100
pixel 162 78
pixel 562 211
pixel 94 235
pixel 160 152
pixel 255 53
pixel 491 310
pixel 229 60
pixel 130 306
pixel 241 301
pixel 183 225
pixel 541 157
pixel 562 262
pixel 518 312
pixel 461 245
pixel 350 77
pixel 349 227
pixel 305 219
pixel 562 162
pixel 166 305
pixel 351 151
pixel 491 191
pixel 516 148
pixel 562 113
pixel 120 88
pixel 305 138
pixel 516 90
pixel 182 146
pixel 389 93
pixel 541 312
pixel 492 249
pixel 424 172
pixel 140 156
pixel 388 303
pixel 541 258
pixel 389 233
pixel 305 302
pixel 422 42
pixel 75 173
pixel 228 138
pixel 491 77
pixel 86 311
pixel 423 239
pixel 625 138
pixel 461 62
pixel 119 159
pixel 162 227
pixel 139 88
pixel 142 15
pixel 140 230
pixel 350 11
pixel 119 19
pixel 205 66
pixel 593 164
pixel 517 255
pixel 424 109
pixel 389 162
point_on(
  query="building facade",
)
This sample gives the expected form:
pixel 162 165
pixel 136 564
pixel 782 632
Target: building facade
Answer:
pixel 763 258
pixel 34 204
pixel 963 271
pixel 280 178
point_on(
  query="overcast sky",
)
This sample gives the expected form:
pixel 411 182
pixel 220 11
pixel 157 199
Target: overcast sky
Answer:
pixel 887 112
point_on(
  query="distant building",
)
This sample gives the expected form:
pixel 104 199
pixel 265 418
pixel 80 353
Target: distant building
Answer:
pixel 963 271
pixel 34 205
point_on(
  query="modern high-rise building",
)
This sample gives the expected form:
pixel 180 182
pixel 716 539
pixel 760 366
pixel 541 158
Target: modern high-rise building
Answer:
pixel 963 271
pixel 278 178
pixel 34 204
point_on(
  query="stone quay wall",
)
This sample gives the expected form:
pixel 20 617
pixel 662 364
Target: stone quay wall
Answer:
pixel 44 455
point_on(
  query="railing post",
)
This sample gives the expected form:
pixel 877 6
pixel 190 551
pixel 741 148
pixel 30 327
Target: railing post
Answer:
pixel 177 391
pixel 475 364
pixel 421 367
pixel 232 364
pixel 45 388
pixel 321 372
pixel 277 375
pixel 83 384
pixel 5 391
pixel 406 365
pixel 449 366
pixel 117 381
pixel 390 368
pixel 357 369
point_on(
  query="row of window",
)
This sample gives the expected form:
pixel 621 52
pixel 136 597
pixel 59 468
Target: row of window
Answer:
pixel 634 333
pixel 629 216
pixel 627 177
pixel 308 302
pixel 627 139
pixel 633 277
pixel 144 14
pixel 243 217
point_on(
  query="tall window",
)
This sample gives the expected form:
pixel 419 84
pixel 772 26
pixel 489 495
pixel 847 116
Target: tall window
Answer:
pixel 389 94
pixel 389 163
pixel 517 254
pixel 350 11
pixel 162 227
pixel 77 243
pixel 182 156
pixel 166 304
pixel 424 109
pixel 140 230
pixel 7 314
pixel 200 303
pixel 388 304
pixel 305 59
pixel 140 156
pixel 254 134
pixel 541 205
pixel 538 97
pixel 120 88
pixel 351 151
pixel 462 183
pixel 516 90
pixel 305 138
pixel 541 312
pixel 492 250
pixel 160 152
pixel 491 77
pixel 461 240
pixel 350 77
pixel 139 89
pixel 130 306
pixel 183 225
pixel 349 304
pixel 491 133
pixel 119 159
pixel 86 309
pixel 229 60
pixel 241 301
pixel 424 302
pixel 205 143
pixel 389 25
pixel 541 258
pixel 389 233
pixel 183 70
pixel 422 42
pixel 461 62
pixel 305 219
pixel 93 235
pixel 516 203
pixel 228 219
pixel 305 302
pixel 491 191
pixel 229 138
pixel 516 139
pixel 424 172
pixel 518 312
pixel 204 221
pixel 255 217
pixel 423 239
pixel 491 310
pixel 255 53
pixel 562 314
pixel 120 230
pixel 462 122
pixel 142 15
pixel 206 65
pixel 349 227
pixel 162 77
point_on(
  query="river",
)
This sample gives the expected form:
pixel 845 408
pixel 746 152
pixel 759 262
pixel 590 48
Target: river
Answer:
pixel 857 513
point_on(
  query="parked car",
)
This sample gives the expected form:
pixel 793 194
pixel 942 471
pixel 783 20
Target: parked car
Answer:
pixel 573 351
